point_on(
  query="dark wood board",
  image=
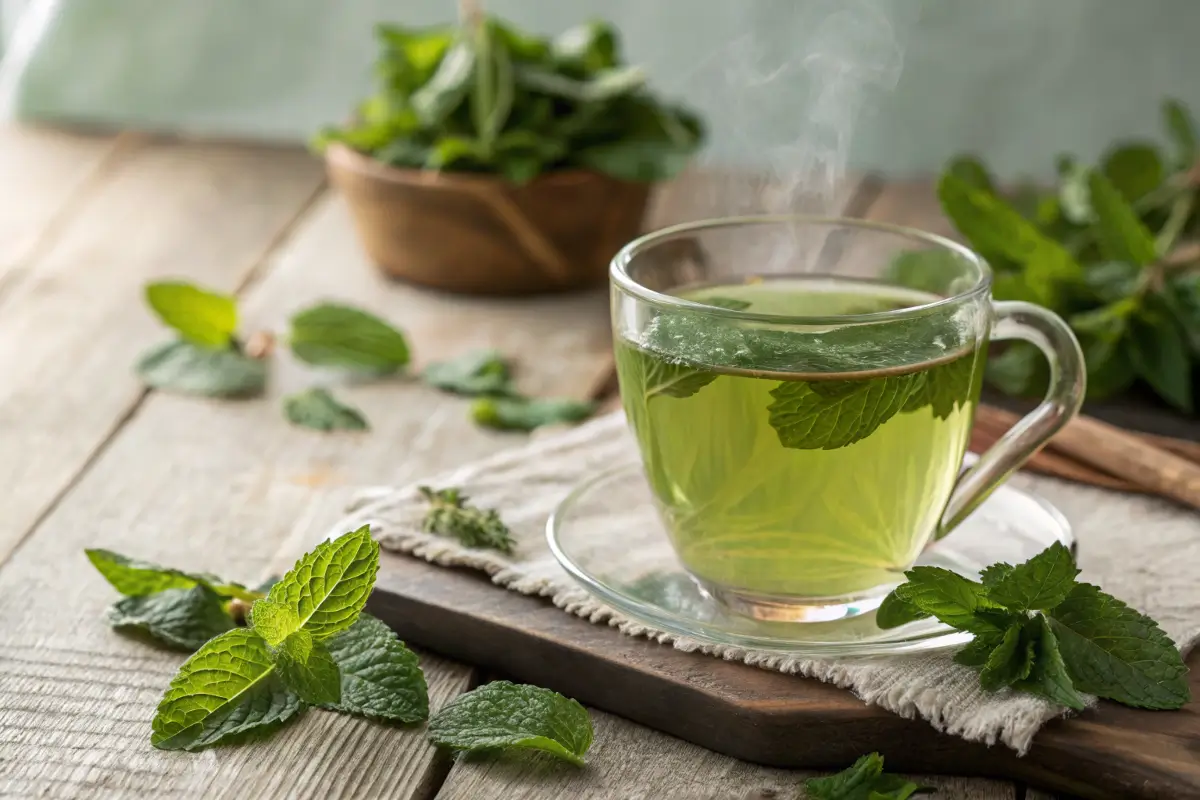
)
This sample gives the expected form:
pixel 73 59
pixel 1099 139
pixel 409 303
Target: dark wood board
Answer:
pixel 762 716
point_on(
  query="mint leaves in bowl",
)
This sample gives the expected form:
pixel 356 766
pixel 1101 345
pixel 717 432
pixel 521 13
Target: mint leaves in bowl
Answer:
pixel 491 160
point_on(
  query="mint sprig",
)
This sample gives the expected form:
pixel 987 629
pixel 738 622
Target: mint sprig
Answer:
pixel 503 715
pixel 1038 630
pixel 863 780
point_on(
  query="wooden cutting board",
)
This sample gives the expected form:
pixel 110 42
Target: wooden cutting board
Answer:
pixel 763 716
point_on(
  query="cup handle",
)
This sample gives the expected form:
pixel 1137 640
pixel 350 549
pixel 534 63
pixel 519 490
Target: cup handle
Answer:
pixel 1050 334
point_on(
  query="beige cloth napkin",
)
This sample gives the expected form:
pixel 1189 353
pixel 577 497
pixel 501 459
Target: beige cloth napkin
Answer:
pixel 1142 550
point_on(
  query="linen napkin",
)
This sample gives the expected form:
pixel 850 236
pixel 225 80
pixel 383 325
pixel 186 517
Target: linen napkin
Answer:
pixel 1142 550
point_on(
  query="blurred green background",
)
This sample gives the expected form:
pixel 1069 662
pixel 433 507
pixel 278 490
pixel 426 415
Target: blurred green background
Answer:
pixel 780 81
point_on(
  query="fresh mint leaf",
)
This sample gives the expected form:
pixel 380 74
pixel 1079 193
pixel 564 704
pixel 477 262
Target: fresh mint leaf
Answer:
pixel 1048 675
pixel 526 413
pixel 827 415
pixel 895 611
pixel 1120 232
pixel 503 715
pixel 180 618
pixel 1113 651
pixel 1159 353
pixel 954 600
pixel 447 87
pixel 325 590
pixel 204 318
pixel 479 372
pixel 227 690
pixel 970 170
pixel 997 572
pixel 1110 369
pixel 316 408
pixel 1182 130
pixel 589 48
pixel 1010 661
pixel 334 335
pixel 1182 296
pixel 450 515
pixel 308 669
pixel 1134 170
pixel 185 368
pixel 1041 583
pixel 864 780
pixel 945 387
pixel 977 652
pixel 132 577
pixel 381 678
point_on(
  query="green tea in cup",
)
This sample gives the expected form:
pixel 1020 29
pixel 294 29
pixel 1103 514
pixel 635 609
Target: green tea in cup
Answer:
pixel 803 434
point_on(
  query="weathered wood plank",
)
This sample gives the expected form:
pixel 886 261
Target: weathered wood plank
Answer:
pixel 44 174
pixel 73 327
pixel 631 761
pixel 230 487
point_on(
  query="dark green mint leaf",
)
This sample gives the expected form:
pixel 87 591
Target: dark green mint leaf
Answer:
pixel 1134 170
pixel 308 669
pixel 976 652
pixel 970 170
pixel 450 515
pixel 1159 353
pixel 833 414
pixel 1048 675
pixel 1110 370
pixel 1182 130
pixel 992 575
pixel 1182 296
pixel 180 618
pixel 204 318
pixel 954 600
pixel 502 715
pixel 227 690
pixel 186 368
pixel 589 48
pixel 1020 370
pixel 324 591
pixel 895 611
pixel 447 87
pixel 133 578
pixel 1112 651
pixel 316 408
pixel 864 780
pixel 945 387
pixel 1041 583
pixel 381 678
pixel 1009 662
pixel 525 413
pixel 333 335
pixel 1120 232
pixel 479 372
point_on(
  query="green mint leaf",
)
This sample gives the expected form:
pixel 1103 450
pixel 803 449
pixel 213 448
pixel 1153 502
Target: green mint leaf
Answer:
pixel 525 414
pixel 1121 234
pixel 997 572
pixel 1048 675
pixel 1112 281
pixel 308 669
pixel 316 408
pixel 183 619
pixel 1134 170
pixel 502 715
pixel 479 372
pixel 1020 370
pixel 1010 661
pixel 133 578
pixel 1159 353
pixel 970 170
pixel 659 377
pixel 864 780
pixel 226 691
pixel 324 591
pixel 895 611
pixel 977 652
pixel 589 47
pixel 1182 296
pixel 924 270
pixel 185 368
pixel 381 678
pixel 954 600
pixel 833 414
pixel 1110 369
pixel 945 387
pixel 447 87
pixel 1041 583
pixel 450 515
pixel 332 335
pixel 1182 130
pixel 201 317
pixel 1113 651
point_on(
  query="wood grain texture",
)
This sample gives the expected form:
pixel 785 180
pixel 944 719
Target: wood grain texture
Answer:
pixel 631 762
pixel 71 330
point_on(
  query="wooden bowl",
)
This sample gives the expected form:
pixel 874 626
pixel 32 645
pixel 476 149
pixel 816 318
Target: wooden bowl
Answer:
pixel 480 234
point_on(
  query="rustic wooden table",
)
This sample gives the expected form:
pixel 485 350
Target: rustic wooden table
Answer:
pixel 90 458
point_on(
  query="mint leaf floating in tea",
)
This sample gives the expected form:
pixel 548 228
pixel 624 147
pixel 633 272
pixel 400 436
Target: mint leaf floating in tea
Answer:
pixel 334 335
pixel 186 368
pixel 226 691
pixel 450 515
pixel 380 677
pixel 307 668
pixel 1039 631
pixel 316 408
pixel 864 780
pixel 503 715
pixel 204 318
pixel 526 413
pixel 826 415
pixel 183 619
pixel 479 372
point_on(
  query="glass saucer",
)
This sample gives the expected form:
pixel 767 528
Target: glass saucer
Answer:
pixel 607 534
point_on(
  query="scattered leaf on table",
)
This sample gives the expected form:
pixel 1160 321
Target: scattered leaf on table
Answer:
pixel 479 372
pixel 381 678
pixel 186 368
pixel 333 335
pixel 525 414
pixel 316 408
pixel 205 318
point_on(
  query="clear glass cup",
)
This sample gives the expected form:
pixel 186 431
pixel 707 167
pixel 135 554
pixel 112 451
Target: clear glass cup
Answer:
pixel 802 391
